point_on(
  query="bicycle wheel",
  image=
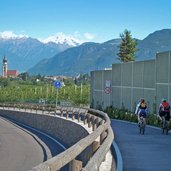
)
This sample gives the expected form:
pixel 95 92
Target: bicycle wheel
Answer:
pixel 143 131
pixel 163 126
pixel 142 127
pixel 167 127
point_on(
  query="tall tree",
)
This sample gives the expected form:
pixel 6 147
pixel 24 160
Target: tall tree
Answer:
pixel 127 47
pixel 24 76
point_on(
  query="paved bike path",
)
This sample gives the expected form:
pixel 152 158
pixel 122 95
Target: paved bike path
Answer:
pixel 148 152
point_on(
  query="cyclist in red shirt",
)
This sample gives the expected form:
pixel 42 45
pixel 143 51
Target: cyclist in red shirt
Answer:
pixel 164 110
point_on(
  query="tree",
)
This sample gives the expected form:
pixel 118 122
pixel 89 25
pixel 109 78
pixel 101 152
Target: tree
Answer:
pixel 127 48
pixel 24 76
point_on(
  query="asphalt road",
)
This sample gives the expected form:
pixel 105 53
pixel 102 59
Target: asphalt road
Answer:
pixel 148 152
pixel 22 148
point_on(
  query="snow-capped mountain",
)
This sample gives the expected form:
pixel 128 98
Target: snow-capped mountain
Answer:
pixel 24 52
pixel 61 38
pixel 95 56
pixel 58 38
pixel 11 35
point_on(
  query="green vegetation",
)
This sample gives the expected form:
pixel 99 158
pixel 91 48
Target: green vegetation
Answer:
pixel 127 48
pixel 37 89
pixel 123 114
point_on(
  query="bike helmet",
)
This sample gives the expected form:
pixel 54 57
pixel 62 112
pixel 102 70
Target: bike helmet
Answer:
pixel 164 100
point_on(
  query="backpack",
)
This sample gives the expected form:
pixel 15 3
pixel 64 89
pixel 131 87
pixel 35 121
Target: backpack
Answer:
pixel 165 107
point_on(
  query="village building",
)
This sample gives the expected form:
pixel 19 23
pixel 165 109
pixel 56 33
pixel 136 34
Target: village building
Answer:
pixel 8 73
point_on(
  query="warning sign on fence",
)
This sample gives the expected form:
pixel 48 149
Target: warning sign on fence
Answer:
pixel 107 90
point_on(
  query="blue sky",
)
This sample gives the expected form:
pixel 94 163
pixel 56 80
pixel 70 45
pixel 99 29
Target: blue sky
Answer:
pixel 93 20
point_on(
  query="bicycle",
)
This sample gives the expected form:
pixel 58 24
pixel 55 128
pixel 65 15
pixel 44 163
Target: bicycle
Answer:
pixel 165 125
pixel 142 125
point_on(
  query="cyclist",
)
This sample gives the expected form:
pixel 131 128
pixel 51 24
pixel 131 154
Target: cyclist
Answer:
pixel 164 110
pixel 141 110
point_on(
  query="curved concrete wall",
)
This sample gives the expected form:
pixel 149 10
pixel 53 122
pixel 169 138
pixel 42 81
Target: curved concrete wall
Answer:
pixel 88 150
pixel 68 132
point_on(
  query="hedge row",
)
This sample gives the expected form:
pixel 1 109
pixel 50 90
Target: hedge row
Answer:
pixel 123 114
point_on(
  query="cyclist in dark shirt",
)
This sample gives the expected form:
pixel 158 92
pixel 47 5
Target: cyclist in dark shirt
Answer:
pixel 141 110
pixel 164 110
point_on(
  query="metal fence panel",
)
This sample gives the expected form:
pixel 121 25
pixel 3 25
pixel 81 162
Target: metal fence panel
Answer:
pixel 149 74
pixel 134 80
pixel 116 74
pixel 127 74
pixel 116 97
pixel 126 98
pixel 138 68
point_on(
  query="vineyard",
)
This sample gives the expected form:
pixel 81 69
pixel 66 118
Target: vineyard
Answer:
pixel 16 91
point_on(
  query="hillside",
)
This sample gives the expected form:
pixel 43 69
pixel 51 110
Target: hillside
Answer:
pixel 93 56
pixel 24 52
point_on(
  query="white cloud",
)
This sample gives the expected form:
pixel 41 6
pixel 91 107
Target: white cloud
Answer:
pixel 84 37
pixel 11 34
pixel 89 36
pixel 77 34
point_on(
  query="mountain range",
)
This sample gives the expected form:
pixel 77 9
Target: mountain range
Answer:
pixel 63 56
pixel 24 52
pixel 94 56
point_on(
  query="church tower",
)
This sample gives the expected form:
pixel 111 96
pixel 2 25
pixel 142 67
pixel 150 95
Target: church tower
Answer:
pixel 4 67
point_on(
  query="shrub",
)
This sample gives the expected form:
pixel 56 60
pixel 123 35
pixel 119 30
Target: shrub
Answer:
pixel 123 114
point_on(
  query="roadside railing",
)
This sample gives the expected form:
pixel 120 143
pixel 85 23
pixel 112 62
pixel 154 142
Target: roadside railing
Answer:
pixel 100 138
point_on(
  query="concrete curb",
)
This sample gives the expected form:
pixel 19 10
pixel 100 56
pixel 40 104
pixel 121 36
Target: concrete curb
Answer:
pixel 117 154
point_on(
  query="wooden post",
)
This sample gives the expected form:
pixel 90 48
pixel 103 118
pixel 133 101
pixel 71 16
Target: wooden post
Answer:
pixel 85 119
pixel 79 117
pixel 61 113
pixel 96 145
pixel 89 121
pixel 103 136
pixel 67 113
pixel 75 165
pixel 94 123
pixel 73 115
